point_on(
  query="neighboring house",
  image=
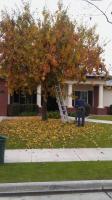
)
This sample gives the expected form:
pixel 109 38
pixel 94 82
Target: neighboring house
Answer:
pixel 96 91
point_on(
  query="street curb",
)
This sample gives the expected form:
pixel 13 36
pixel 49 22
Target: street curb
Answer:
pixel 55 187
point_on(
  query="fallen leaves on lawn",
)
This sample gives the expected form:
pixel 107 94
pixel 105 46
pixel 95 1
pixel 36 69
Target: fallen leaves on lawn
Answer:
pixel 35 133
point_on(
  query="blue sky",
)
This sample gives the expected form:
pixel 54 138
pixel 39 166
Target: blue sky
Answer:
pixel 81 11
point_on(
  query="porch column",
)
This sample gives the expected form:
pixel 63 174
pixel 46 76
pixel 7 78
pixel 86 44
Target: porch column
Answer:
pixel 8 98
pixel 69 104
pixel 100 103
pixel 39 96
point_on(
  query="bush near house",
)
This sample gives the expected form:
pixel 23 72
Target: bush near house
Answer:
pixel 54 114
pixel 87 109
pixel 32 110
pixel 33 113
pixel 72 114
pixel 110 110
pixel 22 109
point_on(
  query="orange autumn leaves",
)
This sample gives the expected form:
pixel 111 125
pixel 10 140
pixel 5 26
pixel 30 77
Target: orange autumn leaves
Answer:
pixel 32 132
pixel 48 49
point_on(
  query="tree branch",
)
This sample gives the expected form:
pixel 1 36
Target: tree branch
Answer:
pixel 90 2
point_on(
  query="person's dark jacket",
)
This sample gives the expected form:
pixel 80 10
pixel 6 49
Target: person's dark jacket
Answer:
pixel 79 103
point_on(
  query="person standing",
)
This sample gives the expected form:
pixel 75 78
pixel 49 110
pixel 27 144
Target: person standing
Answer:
pixel 80 111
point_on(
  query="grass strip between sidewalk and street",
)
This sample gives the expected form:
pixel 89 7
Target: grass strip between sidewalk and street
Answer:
pixel 62 171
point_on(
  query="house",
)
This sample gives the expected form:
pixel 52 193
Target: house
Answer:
pixel 96 91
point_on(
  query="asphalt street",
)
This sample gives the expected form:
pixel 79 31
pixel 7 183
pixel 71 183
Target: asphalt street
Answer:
pixel 72 196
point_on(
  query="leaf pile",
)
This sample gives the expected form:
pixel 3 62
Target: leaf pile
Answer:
pixel 32 132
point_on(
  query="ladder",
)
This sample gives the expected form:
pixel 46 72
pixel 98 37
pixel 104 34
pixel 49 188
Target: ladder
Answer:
pixel 61 104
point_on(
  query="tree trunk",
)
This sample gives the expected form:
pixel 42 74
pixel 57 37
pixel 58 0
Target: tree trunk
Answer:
pixel 44 101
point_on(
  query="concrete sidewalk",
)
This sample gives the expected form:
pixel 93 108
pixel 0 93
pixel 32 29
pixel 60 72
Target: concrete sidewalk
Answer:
pixel 98 121
pixel 58 155
pixel 94 120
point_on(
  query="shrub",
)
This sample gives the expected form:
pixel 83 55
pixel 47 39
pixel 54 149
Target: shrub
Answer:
pixel 18 109
pixel 110 110
pixel 87 109
pixel 28 114
pixel 72 114
pixel 54 114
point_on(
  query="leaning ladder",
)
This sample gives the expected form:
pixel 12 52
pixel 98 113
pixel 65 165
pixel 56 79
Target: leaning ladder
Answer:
pixel 61 104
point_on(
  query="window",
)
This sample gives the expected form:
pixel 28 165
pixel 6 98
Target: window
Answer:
pixel 23 98
pixel 83 95
pixel 87 96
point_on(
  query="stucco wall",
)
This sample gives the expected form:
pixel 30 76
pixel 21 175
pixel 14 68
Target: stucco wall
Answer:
pixel 107 97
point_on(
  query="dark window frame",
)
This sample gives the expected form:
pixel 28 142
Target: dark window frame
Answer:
pixel 78 93
pixel 21 97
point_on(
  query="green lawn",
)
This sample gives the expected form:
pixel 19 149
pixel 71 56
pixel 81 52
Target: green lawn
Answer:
pixel 64 171
pixel 101 117
pixel 35 133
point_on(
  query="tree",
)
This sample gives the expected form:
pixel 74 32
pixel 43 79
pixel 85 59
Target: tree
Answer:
pixel 46 51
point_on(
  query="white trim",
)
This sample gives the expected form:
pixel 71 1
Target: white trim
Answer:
pixel 39 96
pixel 70 90
pixel 8 98
pixel 100 103
pixel 92 82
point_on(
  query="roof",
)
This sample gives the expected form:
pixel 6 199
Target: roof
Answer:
pixel 96 74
